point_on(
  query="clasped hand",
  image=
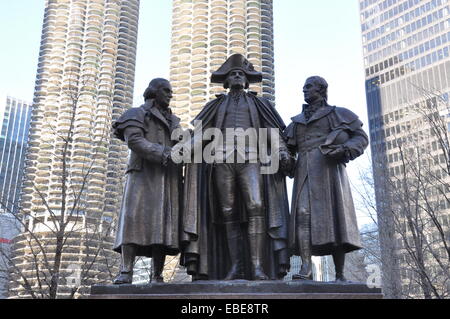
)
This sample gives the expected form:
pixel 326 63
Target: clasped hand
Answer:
pixel 339 153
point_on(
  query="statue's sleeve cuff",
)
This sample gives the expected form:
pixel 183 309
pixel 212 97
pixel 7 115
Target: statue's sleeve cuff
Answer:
pixel 166 156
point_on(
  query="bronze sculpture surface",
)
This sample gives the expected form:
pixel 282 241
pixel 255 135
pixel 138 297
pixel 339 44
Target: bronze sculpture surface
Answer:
pixel 323 220
pixel 149 217
pixel 235 218
pixel 230 220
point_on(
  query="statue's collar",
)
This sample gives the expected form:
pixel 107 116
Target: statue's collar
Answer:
pixel 320 113
pixel 236 92
pixel 150 107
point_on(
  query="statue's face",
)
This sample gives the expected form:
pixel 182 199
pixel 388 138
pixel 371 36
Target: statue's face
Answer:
pixel 237 79
pixel 311 91
pixel 164 94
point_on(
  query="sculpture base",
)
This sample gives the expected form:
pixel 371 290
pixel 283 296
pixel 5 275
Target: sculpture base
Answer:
pixel 239 289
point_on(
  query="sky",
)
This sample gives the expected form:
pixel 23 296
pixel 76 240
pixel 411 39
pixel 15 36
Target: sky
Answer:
pixel 320 37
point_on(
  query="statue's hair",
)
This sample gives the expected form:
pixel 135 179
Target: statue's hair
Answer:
pixel 323 85
pixel 226 85
pixel 154 85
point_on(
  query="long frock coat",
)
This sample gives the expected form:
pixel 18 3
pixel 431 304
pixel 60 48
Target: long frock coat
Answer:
pixel 152 197
pixel 333 217
pixel 205 253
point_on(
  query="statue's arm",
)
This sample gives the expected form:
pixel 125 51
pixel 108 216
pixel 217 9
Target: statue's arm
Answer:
pixel 358 140
pixel 277 138
pixel 153 152
pixel 357 143
pixel 291 151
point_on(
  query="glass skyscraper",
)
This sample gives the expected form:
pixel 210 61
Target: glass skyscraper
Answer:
pixel 404 42
pixel 15 124
pixel 406 45
pixel 9 228
pixel 13 143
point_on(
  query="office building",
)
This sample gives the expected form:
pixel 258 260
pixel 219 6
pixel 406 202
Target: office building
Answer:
pixel 13 143
pixel 15 123
pixel 406 47
pixel 9 228
pixel 84 82
pixel 204 34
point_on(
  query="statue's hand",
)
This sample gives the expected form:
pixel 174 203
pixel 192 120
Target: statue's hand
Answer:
pixel 286 163
pixel 339 153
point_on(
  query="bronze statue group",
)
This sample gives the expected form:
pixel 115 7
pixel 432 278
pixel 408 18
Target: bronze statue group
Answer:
pixel 229 220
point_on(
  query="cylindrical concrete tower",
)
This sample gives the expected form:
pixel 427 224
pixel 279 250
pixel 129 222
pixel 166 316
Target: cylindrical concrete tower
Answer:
pixel 84 82
pixel 204 34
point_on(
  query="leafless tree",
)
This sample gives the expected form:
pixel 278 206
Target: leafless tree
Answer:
pixel 359 264
pixel 63 250
pixel 412 187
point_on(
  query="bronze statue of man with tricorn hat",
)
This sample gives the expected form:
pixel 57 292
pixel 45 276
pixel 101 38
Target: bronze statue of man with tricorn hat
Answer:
pixel 235 217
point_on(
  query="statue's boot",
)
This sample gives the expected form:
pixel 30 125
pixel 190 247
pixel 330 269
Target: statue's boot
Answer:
pixel 234 240
pixel 282 271
pixel 158 261
pixel 191 268
pixel 257 236
pixel 303 233
pixel 339 263
pixel 126 268
pixel 305 253
pixel 306 269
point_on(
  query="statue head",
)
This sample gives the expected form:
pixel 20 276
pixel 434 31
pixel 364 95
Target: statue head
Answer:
pixel 315 89
pixel 236 79
pixel 160 90
pixel 236 68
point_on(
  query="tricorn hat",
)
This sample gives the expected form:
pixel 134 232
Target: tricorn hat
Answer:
pixel 236 62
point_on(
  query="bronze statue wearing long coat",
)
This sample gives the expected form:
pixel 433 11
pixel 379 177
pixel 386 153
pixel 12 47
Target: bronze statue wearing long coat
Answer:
pixel 151 204
pixel 235 218
pixel 333 217
pixel 204 253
